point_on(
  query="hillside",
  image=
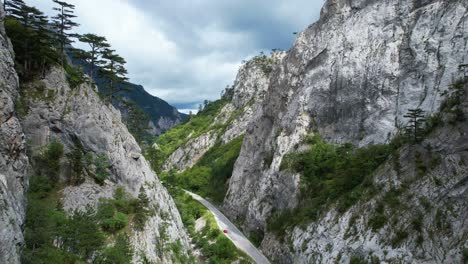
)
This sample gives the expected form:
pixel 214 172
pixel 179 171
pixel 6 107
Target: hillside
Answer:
pixel 327 171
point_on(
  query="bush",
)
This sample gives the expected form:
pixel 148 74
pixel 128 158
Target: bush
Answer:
pixel 120 253
pixel 75 75
pixel 81 235
pixel 378 220
pixel 330 174
pixel 115 223
pixel 48 161
pixel 465 254
pixel 399 237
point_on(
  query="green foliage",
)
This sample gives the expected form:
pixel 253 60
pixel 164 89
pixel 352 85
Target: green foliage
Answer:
pixel 115 223
pixel 357 260
pixel 178 255
pixel 63 23
pixel 75 75
pixel 50 235
pixel 398 238
pixel 141 210
pixel 21 107
pixel 102 165
pixel 137 122
pixel 465 254
pixel 97 166
pixel 256 237
pixel 331 174
pixel 114 214
pixel 27 28
pixel 209 176
pixel 453 102
pixel 265 62
pixel 180 134
pixel 213 243
pixel 378 219
pixel 47 163
pixel 81 235
pixel 120 253
pixel 415 126
pixel 76 161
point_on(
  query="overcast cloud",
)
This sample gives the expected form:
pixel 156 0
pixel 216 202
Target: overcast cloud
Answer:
pixel 188 50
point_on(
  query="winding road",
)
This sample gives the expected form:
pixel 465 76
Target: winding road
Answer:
pixel 234 234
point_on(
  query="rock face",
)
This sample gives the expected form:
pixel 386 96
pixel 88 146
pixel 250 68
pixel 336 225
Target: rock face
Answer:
pixel 243 98
pixel 70 114
pixel 162 115
pixel 13 159
pixel 350 77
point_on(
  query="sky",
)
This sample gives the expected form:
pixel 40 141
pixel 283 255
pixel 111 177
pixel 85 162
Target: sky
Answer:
pixel 187 51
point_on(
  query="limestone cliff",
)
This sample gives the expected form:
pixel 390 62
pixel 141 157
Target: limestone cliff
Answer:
pixel 13 159
pixel 57 111
pixel 241 103
pixel 351 77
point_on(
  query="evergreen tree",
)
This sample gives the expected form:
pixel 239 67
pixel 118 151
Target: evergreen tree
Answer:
pixel 98 46
pixel 114 72
pixel 63 23
pixel 28 30
pixel 141 210
pixel 76 161
pixel 416 120
pixel 137 121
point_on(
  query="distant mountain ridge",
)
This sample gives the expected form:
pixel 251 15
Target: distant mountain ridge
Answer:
pixel 162 115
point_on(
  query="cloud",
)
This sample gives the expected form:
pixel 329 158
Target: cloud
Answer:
pixel 188 50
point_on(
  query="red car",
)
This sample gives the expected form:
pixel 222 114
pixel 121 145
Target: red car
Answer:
pixel 225 231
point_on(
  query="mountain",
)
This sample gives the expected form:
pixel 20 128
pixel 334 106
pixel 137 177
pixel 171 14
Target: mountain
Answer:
pixel 328 165
pixel 74 184
pixel 162 115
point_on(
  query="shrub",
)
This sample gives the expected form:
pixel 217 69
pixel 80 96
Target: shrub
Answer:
pixel 115 223
pixel 81 235
pixel 378 220
pixel 75 75
pixel 330 174
pixel 465 254
pixel 357 260
pixel 102 165
pixel 48 161
pixel 399 237
pixel 120 253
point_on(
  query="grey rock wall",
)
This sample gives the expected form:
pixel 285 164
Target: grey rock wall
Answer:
pixel 13 159
pixel 350 77
pixel 78 113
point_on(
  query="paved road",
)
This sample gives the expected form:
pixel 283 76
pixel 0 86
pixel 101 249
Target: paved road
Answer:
pixel 234 234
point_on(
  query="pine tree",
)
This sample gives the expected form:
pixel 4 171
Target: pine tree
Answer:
pixel 98 45
pixel 137 121
pixel 63 23
pixel 28 30
pixel 416 120
pixel 114 72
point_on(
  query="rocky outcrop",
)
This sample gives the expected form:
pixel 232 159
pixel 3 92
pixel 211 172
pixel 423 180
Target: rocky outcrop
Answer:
pixel 13 159
pixel 58 111
pixel 427 217
pixel 242 100
pixel 350 77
